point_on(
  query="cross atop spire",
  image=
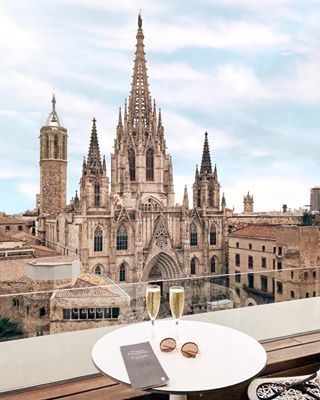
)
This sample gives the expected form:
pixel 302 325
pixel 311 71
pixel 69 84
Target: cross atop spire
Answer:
pixel 206 167
pixel 53 119
pixel 140 109
pixel 94 159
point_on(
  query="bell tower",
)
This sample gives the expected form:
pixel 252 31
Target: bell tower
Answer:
pixel 53 164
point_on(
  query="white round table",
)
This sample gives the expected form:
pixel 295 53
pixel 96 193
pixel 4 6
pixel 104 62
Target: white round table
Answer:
pixel 227 357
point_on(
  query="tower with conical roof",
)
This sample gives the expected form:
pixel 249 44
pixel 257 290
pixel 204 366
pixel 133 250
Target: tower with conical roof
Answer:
pixel 140 163
pixel 94 184
pixel 53 164
pixel 206 188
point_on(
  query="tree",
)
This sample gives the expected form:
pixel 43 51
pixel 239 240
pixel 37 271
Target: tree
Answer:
pixel 9 330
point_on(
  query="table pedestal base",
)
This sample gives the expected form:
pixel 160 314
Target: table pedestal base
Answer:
pixel 178 397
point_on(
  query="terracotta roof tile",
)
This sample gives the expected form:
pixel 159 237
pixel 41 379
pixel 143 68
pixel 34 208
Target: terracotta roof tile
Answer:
pixel 256 231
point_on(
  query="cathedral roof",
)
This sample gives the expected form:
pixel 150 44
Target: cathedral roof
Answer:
pixel 206 167
pixel 53 119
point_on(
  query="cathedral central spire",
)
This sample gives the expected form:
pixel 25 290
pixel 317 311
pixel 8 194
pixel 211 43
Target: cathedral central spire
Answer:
pixel 140 109
pixel 94 159
pixel 206 167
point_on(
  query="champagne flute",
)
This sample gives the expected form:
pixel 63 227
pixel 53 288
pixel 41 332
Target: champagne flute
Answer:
pixel 153 304
pixel 177 305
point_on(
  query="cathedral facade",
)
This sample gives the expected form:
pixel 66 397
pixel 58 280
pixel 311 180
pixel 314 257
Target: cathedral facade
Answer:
pixel 130 228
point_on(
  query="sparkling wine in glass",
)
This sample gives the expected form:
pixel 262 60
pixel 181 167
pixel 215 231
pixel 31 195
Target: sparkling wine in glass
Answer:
pixel 153 304
pixel 177 305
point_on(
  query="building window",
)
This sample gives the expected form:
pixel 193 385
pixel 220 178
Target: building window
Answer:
pixel 305 275
pixel 98 236
pixel 213 235
pixel 237 259
pixel 279 287
pixel 280 251
pixel 237 245
pixel 307 294
pixel 66 313
pixel 132 164
pixel 251 281
pixel 75 313
pixel 91 313
pixel 292 274
pixel 97 195
pixel 83 313
pixel 274 250
pixel 263 248
pixel 264 283
pixel 20 227
pixel 314 274
pixel 99 313
pixel 149 165
pixel 273 263
pixel 193 266
pixel 115 312
pixel 97 270
pixel 263 262
pixel 122 237
pixel 42 312
pixel 7 228
pixel 16 302
pixel 273 285
pixel 238 277
pixel 250 246
pixel 292 294
pixel 250 261
pixel 279 265
pixel 56 147
pixel 122 273
pixel 314 294
pixel 213 264
pixel 193 235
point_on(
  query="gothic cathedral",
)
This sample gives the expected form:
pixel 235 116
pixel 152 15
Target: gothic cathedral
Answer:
pixel 130 228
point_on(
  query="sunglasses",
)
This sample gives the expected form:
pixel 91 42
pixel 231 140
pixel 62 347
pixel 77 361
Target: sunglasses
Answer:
pixel 189 349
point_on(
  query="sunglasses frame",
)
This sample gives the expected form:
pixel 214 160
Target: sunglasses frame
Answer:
pixel 184 353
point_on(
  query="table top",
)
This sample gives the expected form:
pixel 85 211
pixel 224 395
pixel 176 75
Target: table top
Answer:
pixel 227 357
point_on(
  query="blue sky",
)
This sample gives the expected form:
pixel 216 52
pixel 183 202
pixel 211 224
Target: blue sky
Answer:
pixel 248 72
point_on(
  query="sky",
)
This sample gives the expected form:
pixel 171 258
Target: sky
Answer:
pixel 247 72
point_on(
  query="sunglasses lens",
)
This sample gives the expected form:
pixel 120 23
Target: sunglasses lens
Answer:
pixel 189 349
pixel 168 345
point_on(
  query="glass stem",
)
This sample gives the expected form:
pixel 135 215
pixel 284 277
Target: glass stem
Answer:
pixel 177 331
pixel 152 329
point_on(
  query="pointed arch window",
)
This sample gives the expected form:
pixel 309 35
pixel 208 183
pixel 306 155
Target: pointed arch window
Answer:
pixel 122 273
pixel 149 165
pixel 211 200
pixel 193 266
pixel 98 237
pixel 56 147
pixel 122 238
pixel 213 235
pixel 213 264
pixel 132 164
pixel 96 195
pixel 193 235
pixel 47 146
pixel 199 198
pixel 98 270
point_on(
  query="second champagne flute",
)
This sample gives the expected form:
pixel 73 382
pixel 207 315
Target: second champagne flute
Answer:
pixel 153 304
pixel 177 305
